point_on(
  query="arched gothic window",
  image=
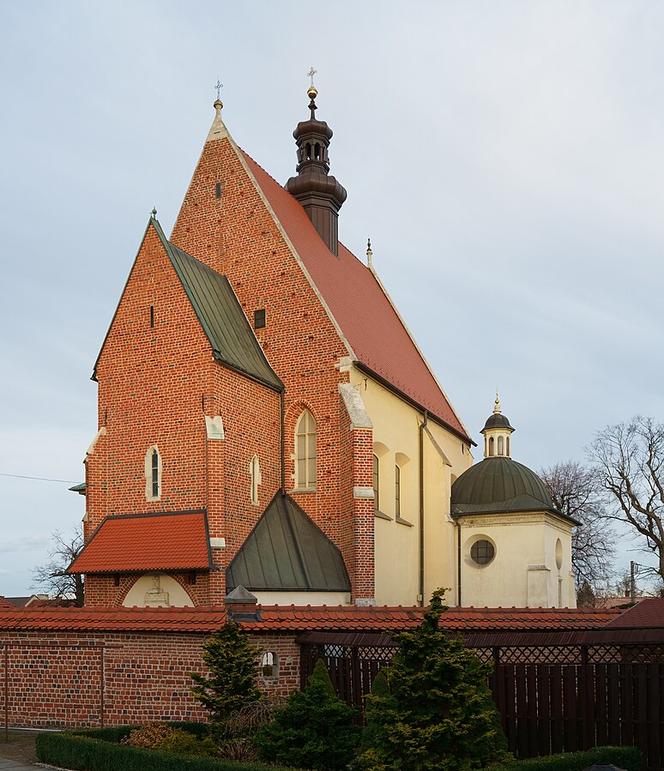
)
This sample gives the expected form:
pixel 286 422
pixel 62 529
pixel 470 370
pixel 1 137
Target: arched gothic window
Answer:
pixel 305 452
pixel 152 474
pixel 256 478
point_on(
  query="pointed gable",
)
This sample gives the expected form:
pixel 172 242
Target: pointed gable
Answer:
pixel 219 313
pixel 286 551
pixel 379 340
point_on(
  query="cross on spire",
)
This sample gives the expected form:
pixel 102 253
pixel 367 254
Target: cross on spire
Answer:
pixel 218 85
pixel 311 74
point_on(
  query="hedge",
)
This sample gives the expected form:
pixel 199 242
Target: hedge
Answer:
pixel 99 749
pixel 81 752
pixel 622 757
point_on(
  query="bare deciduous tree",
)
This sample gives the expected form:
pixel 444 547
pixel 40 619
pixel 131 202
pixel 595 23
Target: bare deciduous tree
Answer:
pixel 629 458
pixel 576 491
pixel 52 577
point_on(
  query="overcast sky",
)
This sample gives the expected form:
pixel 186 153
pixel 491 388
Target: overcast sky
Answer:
pixel 506 159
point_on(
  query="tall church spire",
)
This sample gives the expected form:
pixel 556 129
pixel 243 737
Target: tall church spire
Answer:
pixel 319 193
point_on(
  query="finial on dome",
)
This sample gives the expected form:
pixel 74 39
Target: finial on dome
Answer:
pixel 369 253
pixel 153 213
pixel 496 404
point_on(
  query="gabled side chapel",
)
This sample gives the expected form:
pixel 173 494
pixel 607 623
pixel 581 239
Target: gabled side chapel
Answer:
pixel 268 424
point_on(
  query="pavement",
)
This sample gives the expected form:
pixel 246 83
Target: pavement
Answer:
pixel 15 765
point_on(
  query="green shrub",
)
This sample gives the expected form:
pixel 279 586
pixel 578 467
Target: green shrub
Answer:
pixel 79 752
pixel 231 681
pixel 160 736
pixel 434 709
pixel 622 757
pixel 314 729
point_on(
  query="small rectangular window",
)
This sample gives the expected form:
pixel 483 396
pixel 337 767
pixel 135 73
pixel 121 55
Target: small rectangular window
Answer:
pixel 217 190
pixel 152 316
pixel 259 318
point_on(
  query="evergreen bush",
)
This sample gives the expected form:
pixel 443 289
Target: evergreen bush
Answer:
pixel 432 708
pixel 314 729
pixel 230 683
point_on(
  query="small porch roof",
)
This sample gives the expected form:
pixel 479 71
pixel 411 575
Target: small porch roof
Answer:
pixel 139 543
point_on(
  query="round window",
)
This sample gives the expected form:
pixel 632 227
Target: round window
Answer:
pixel 482 552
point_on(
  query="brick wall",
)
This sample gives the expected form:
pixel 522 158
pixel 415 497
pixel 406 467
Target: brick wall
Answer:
pixel 156 384
pixel 237 235
pixel 55 679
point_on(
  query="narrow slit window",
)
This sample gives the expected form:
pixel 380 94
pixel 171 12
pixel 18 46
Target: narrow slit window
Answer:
pixel 217 190
pixel 255 475
pixel 153 469
pixel 376 482
pixel 155 474
pixel 397 491
pixel 152 317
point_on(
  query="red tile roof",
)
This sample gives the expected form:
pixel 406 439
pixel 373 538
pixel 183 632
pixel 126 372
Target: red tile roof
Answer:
pixel 352 618
pixel 4 603
pixel 135 543
pixel 360 306
pixel 205 620
pixel 646 614
pixel 296 619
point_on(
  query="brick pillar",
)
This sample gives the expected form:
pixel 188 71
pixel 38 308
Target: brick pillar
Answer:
pixel 363 516
pixel 216 505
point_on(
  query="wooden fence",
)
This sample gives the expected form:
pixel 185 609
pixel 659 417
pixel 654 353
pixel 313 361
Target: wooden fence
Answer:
pixel 552 698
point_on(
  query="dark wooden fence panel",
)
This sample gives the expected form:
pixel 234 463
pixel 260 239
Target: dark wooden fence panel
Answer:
pixel 553 699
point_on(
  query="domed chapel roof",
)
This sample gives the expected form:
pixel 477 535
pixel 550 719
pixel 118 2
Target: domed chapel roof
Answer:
pixel 499 484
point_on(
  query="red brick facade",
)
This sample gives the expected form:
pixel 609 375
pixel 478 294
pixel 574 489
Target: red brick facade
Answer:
pixel 157 382
pixel 238 236
pixel 156 385
pixel 59 679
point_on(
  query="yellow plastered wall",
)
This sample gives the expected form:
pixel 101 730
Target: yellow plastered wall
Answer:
pixel 396 440
pixel 524 571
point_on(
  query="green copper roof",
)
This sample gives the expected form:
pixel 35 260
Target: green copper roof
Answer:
pixel 500 485
pixel 286 551
pixel 220 315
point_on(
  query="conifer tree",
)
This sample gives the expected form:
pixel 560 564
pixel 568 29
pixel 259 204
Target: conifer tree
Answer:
pixel 314 729
pixel 433 709
pixel 230 683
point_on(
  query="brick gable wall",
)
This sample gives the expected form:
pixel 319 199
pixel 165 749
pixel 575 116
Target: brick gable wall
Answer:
pixel 156 384
pixel 237 235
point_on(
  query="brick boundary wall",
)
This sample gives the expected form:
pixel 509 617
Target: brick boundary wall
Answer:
pixel 55 679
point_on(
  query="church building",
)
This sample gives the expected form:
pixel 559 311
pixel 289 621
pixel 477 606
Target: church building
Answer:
pixel 268 425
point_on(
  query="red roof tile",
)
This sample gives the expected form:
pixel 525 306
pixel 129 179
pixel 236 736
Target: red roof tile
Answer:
pixel 203 620
pixel 349 617
pixel 296 619
pixel 134 543
pixel 357 301
pixel 646 614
